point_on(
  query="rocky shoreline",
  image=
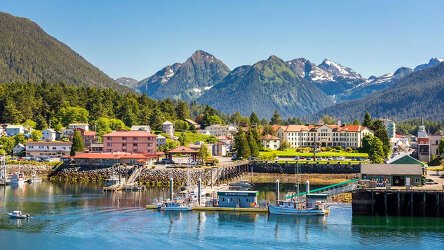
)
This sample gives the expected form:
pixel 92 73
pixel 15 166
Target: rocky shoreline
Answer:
pixel 28 170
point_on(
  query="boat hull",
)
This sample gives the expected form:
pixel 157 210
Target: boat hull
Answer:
pixel 291 211
pixel 13 216
pixel 175 208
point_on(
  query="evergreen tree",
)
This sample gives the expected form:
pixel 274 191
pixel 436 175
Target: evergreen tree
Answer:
pixel 380 131
pixel 366 144
pixel 367 120
pixel 182 110
pixel 356 122
pixel 441 147
pixel 77 143
pixel 276 118
pixel 41 123
pixel 203 153
pixel 254 120
pixel 20 138
pixel 182 139
pixel 328 120
pixel 252 143
pixel 241 144
pixel 376 154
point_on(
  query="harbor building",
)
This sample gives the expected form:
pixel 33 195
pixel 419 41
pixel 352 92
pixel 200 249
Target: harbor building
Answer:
pixel 109 159
pixel 323 135
pixel 242 199
pixel 130 141
pixel 393 174
pixel 270 142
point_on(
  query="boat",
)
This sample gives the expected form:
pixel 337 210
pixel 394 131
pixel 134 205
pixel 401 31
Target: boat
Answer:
pixel 240 185
pixel 18 215
pixel 175 205
pixel 295 208
pixel 17 178
pixel 114 180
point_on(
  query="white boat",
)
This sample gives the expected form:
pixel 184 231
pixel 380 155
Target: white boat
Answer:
pixel 18 215
pixel 17 178
pixel 114 180
pixel 241 185
pixel 295 208
pixel 175 205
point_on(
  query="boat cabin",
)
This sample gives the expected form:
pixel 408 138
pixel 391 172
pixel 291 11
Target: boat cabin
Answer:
pixel 314 200
pixel 242 199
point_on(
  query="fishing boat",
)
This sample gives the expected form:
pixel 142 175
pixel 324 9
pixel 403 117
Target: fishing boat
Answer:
pixel 18 215
pixel 298 205
pixel 17 178
pixel 175 205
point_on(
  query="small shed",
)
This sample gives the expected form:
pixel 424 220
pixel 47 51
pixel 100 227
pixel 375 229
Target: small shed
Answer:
pixel 241 199
pixel 393 174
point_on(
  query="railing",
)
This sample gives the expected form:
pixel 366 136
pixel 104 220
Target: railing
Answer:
pixel 342 187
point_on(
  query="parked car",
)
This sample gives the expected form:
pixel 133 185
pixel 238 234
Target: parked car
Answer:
pixel 166 161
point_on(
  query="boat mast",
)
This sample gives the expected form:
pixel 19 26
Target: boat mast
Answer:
pixel 297 181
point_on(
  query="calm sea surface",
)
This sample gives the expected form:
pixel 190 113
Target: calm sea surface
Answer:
pixel 79 216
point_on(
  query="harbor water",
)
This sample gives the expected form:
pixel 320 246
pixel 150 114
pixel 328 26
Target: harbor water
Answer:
pixel 81 216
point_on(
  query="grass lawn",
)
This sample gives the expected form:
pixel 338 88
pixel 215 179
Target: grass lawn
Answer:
pixel 292 153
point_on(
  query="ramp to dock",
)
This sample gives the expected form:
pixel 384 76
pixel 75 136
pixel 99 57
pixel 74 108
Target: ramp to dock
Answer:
pixel 133 177
pixel 338 188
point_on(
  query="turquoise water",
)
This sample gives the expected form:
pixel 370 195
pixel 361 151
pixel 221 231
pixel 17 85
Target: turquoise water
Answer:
pixel 67 216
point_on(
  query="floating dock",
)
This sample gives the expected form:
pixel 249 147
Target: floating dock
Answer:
pixel 223 209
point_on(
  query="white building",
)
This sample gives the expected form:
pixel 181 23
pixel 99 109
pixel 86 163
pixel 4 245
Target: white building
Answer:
pixel 49 134
pixel 13 130
pixel 54 149
pixel 146 128
pixel 270 142
pixel 390 126
pixel 168 128
pixel 203 132
pixel 218 130
pixel 161 140
pixel 83 126
pixel 323 135
pixel 434 143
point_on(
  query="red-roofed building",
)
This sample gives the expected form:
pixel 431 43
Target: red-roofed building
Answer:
pixel 323 135
pixel 271 142
pixel 129 141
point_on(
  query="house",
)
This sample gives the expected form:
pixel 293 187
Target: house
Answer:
pixel 220 149
pixel 13 130
pixel 193 123
pixel 423 144
pixel 52 149
pixel 146 128
pixel 225 139
pixel 323 135
pixel 393 174
pixel 168 128
pixel 18 149
pixel 434 141
pixel 74 126
pixel 197 145
pixel 89 137
pixel 203 132
pixel 49 134
pixel 218 130
pixel 161 140
pixel 130 141
pixel 270 142
pixel 109 159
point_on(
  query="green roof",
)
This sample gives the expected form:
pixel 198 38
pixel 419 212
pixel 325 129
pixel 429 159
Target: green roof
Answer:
pixel 406 159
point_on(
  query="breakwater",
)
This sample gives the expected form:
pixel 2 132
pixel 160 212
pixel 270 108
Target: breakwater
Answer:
pixel 28 170
pixel 305 168
pixel 398 203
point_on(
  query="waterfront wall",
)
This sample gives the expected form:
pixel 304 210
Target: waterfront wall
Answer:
pixel 28 170
pixel 398 203
pixel 290 168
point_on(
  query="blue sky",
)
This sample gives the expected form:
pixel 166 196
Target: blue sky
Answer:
pixel 137 38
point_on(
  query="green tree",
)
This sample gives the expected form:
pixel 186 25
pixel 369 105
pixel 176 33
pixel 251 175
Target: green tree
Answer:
pixel 11 113
pixel 29 124
pixel 77 143
pixel 73 114
pixel 376 154
pixel 284 145
pixel 356 122
pixel 380 131
pixel 58 127
pixel 41 122
pixel 169 145
pixel 367 120
pixel 182 110
pixel 366 144
pixel 20 138
pixel 7 143
pixel 252 144
pixel 36 135
pixel 182 139
pixel 203 153
pixel 441 147
pixel 254 119
pixel 241 145
pixel 117 125
pixel 328 120
pixel 276 118
pixel 181 125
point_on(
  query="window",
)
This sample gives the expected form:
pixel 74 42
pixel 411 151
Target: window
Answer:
pixel 417 180
pixel 109 144
pixel 134 144
pixel 124 144
pixel 135 138
pixel 109 138
pixel 123 138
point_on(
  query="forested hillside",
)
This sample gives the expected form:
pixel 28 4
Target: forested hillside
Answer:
pixel 420 94
pixel 28 54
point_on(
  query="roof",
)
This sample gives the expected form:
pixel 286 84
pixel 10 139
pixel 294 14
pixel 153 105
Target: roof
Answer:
pixel 140 127
pixel 48 143
pixel 182 149
pixel 391 169
pixel 161 136
pixel 167 123
pixel 89 133
pixel 223 137
pixel 404 159
pixel 191 121
pixel 77 124
pixel 137 133
pixel 113 155
pixel 336 128
pixel 15 126
pixel 269 137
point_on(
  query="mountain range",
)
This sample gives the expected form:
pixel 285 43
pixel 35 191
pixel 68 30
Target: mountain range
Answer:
pixel 29 54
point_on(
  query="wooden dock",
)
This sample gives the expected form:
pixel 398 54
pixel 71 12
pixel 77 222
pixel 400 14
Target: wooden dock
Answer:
pixel 223 209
